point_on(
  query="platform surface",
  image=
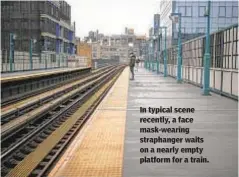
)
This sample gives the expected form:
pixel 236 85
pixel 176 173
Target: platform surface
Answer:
pixel 97 151
pixel 215 120
pixel 23 73
pixel 109 145
pixel 13 76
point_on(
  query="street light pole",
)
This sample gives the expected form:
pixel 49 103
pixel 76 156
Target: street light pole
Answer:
pixel 179 76
pixel 152 57
pixel 179 61
pixel 32 45
pixel 148 61
pixel 206 86
pixel 45 48
pixel 154 53
pixel 30 53
pixel 147 53
pixel 10 52
pixel 153 47
pixel 158 63
pixel 165 53
pixel 145 56
pixel 150 53
pixel 165 49
pixel 147 49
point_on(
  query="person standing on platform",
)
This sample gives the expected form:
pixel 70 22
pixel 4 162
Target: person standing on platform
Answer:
pixel 137 64
pixel 131 65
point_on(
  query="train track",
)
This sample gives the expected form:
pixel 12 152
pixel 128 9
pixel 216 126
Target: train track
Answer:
pixel 18 109
pixel 16 128
pixel 19 97
pixel 38 143
pixel 32 110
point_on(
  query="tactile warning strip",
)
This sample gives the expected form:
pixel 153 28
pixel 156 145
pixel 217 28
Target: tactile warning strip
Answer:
pixel 25 167
pixel 98 150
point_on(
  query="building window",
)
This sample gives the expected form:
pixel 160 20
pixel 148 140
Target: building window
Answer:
pixel 228 11
pixel 183 32
pixel 202 10
pixel 52 11
pixel 56 13
pixel 222 11
pixel 200 30
pixel 235 11
pixel 188 11
pixel 34 5
pixel 175 35
pixel 181 10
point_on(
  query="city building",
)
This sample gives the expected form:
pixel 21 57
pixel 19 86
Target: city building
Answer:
pixel 151 32
pixel 223 14
pixel 84 50
pixel 100 36
pixel 46 23
pixel 94 36
pixel 96 50
pixel 129 31
pixel 140 44
pixel 156 23
pixel 117 47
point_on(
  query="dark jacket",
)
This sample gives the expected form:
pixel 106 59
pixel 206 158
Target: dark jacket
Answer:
pixel 132 62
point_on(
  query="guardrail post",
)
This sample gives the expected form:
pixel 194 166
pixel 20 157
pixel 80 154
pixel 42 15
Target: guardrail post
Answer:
pixel 11 52
pixel 30 55
pixel 45 62
pixel 59 60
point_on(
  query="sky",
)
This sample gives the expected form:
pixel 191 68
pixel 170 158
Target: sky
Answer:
pixel 112 16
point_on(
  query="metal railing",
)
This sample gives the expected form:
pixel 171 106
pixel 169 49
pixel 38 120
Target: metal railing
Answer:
pixel 224 61
pixel 21 61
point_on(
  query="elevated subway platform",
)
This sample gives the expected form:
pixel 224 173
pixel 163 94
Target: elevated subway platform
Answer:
pixel 98 149
pixel 215 120
pixel 16 86
pixel 23 75
pixel 109 146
